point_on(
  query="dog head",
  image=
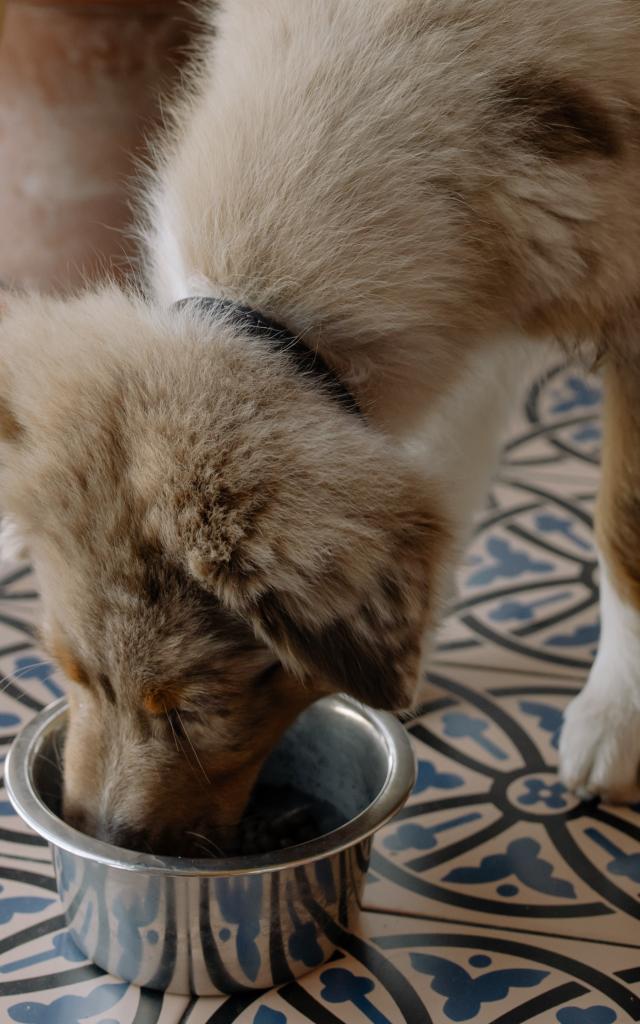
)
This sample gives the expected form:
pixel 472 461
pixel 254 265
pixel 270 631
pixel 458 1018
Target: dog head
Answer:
pixel 217 542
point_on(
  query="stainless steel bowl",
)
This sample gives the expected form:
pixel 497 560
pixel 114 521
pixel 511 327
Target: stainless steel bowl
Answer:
pixel 207 927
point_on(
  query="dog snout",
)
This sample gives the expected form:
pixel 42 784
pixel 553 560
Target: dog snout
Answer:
pixel 107 830
pixel 76 818
pixel 125 836
pixel 168 841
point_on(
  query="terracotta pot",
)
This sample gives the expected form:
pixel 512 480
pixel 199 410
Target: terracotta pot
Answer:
pixel 80 87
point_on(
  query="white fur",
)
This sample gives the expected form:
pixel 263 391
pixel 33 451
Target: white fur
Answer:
pixel 600 742
pixel 172 280
pixel 171 283
pixel 460 438
pixel 12 545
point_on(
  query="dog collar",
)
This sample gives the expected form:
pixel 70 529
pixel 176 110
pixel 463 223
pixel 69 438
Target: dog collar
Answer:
pixel 263 328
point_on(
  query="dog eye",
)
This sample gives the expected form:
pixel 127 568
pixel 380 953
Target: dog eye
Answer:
pixel 105 684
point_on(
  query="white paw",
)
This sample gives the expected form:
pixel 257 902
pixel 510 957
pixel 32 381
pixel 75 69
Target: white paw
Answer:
pixel 600 745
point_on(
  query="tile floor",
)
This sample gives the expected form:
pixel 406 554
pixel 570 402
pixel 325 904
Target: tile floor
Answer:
pixel 495 896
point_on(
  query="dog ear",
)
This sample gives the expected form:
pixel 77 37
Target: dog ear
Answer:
pixel 338 575
pixel 373 649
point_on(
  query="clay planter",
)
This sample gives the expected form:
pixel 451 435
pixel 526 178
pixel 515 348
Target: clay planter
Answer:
pixel 80 86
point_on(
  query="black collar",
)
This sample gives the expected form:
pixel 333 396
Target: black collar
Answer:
pixel 259 326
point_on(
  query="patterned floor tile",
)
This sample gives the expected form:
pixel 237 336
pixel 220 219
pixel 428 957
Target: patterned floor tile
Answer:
pixel 527 590
pixel 489 835
pixel 393 970
pixel 430 972
pixel 81 994
pixel 19 597
pixel 463 973
pixel 557 430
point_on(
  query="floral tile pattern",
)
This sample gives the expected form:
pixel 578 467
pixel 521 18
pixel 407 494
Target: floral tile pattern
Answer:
pixel 557 432
pixel 528 598
pixel 490 836
pixel 495 896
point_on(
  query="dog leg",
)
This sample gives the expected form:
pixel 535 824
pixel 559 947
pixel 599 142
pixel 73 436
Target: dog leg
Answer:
pixel 600 742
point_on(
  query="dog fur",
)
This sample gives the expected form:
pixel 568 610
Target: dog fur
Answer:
pixel 424 191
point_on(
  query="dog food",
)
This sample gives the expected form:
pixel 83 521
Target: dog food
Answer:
pixel 282 816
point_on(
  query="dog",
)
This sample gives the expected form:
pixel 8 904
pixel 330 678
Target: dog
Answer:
pixel 246 484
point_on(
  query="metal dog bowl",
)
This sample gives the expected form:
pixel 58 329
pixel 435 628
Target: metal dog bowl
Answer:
pixel 207 927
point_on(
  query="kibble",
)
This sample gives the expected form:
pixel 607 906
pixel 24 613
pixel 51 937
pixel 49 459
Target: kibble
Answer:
pixel 281 816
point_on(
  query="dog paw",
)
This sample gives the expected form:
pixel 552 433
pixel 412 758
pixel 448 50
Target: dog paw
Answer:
pixel 600 747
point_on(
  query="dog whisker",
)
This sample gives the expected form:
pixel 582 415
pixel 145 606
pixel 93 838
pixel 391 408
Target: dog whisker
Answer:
pixel 56 748
pixel 47 760
pixel 173 731
pixel 12 677
pixel 179 746
pixel 207 844
pixel 195 752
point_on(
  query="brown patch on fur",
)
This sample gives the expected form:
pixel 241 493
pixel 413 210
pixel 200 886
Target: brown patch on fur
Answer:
pixel 618 511
pixel 160 701
pixel 560 118
pixel 68 662
pixel 10 429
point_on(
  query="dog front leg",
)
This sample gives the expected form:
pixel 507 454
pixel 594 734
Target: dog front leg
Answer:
pixel 600 741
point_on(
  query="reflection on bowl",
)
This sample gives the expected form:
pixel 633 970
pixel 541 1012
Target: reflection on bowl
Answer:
pixel 213 926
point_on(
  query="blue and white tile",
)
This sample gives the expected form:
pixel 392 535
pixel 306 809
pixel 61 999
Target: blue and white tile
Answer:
pixel 433 972
pixel 527 590
pixel 528 586
pixel 462 973
pixel 557 432
pixel 490 835
pixel 102 1000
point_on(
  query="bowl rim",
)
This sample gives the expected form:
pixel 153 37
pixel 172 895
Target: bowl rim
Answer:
pixel 20 788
